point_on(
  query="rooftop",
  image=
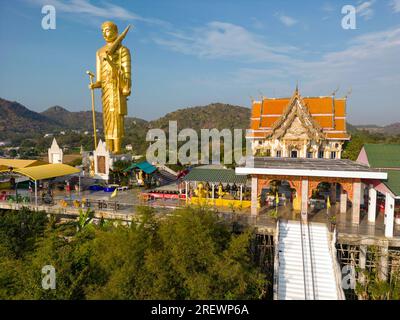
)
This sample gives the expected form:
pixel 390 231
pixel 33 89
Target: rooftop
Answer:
pixel 341 168
pixel 393 182
pixel 215 175
pixel 328 113
pixel 383 155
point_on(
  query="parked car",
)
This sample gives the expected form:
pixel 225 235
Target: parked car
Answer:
pixel 96 187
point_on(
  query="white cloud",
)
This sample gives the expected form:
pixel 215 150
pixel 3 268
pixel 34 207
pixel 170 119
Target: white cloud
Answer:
pixel 368 64
pixel 286 20
pixel 85 7
pixel 395 5
pixel 224 40
pixel 364 9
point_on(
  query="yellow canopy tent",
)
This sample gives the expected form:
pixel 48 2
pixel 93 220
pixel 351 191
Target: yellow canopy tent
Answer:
pixel 19 163
pixel 46 171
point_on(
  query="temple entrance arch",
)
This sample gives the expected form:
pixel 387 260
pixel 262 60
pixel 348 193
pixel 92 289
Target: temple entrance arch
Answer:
pixel 290 186
pixel 339 190
pixel 281 189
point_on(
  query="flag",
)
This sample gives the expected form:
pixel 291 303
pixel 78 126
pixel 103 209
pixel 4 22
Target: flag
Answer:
pixel 328 203
pixel 114 194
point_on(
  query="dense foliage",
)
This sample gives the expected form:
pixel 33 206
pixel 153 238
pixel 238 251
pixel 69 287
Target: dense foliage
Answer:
pixel 353 147
pixel 188 255
pixel 371 286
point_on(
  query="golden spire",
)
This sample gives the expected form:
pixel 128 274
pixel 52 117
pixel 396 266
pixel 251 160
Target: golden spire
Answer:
pixel 296 92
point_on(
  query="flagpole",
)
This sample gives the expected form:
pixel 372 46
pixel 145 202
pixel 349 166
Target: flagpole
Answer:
pixel 91 76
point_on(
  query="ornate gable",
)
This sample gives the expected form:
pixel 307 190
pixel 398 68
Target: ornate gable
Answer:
pixel 296 122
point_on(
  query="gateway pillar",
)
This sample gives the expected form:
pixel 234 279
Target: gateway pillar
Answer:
pixel 254 195
pixel 333 193
pixel 389 215
pixel 356 202
pixel 371 204
pixel 343 201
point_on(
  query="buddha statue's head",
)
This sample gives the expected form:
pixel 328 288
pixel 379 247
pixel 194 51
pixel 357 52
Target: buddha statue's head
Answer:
pixel 110 31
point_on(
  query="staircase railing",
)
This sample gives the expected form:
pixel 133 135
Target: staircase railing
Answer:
pixel 276 261
pixel 303 258
pixel 311 260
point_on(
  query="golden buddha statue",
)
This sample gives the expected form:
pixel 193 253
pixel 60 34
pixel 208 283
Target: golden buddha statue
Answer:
pixel 200 192
pixel 220 192
pixel 113 68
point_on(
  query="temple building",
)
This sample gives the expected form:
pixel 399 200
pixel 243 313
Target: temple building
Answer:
pixel 298 127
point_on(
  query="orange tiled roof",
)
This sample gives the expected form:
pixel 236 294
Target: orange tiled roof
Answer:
pixel 328 112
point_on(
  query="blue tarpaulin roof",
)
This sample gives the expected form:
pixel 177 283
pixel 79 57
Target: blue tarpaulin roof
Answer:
pixel 144 166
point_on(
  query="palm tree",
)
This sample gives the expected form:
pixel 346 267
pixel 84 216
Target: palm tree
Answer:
pixel 85 218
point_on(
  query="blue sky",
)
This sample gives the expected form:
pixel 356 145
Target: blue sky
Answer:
pixel 187 53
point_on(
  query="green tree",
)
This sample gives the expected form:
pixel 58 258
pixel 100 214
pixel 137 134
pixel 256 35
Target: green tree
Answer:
pixel 20 229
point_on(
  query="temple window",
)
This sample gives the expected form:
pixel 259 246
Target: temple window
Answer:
pixel 268 152
pixel 293 154
pixel 320 154
pixel 333 154
pixel 309 154
pixel 278 153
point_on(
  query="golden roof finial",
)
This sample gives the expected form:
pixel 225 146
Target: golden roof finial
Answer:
pixel 296 92
pixel 335 91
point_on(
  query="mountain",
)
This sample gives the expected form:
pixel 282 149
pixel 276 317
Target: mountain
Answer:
pixel 80 120
pixel 17 119
pixel 73 120
pixel 18 122
pixel 215 115
pixel 391 129
pixel 350 128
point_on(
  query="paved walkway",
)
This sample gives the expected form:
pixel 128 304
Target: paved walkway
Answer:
pixel 128 201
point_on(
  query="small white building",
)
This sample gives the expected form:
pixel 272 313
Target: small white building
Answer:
pixel 55 153
pixel 101 162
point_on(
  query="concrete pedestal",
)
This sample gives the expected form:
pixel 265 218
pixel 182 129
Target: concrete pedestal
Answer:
pixel 383 264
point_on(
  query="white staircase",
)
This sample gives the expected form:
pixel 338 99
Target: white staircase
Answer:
pixel 305 264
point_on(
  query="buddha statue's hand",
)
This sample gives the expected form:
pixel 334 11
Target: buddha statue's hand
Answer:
pixel 95 85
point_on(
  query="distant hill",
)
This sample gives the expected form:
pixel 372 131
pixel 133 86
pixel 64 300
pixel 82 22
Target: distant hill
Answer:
pixel 350 128
pixel 215 115
pixel 17 119
pixel 73 120
pixel 391 129
pixel 80 120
